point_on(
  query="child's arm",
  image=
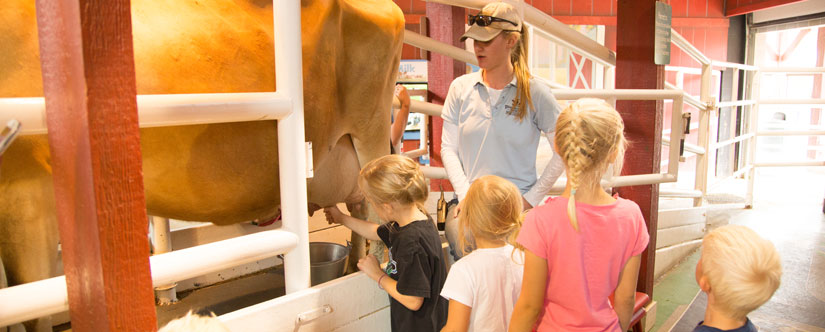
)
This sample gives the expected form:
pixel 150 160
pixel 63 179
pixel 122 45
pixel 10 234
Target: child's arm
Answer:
pixel 531 301
pixel 369 265
pixel 624 297
pixel 458 317
pixel 364 228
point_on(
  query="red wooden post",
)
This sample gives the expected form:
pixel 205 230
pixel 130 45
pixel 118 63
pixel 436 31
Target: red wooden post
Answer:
pixel 446 25
pixel 643 119
pixel 89 84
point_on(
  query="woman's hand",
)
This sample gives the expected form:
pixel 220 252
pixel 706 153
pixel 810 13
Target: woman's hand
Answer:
pixel 334 215
pixel 527 205
pixel 403 96
pixel 369 265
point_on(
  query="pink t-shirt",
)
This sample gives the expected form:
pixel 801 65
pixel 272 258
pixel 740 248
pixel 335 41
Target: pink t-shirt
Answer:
pixel 583 268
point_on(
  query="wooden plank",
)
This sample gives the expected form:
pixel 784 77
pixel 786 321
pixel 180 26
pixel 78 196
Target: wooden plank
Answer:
pixel 446 25
pixel 89 85
pixel 643 119
pixel 675 235
pixel 680 217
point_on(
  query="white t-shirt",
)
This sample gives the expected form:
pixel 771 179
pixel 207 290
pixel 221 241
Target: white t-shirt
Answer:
pixel 489 281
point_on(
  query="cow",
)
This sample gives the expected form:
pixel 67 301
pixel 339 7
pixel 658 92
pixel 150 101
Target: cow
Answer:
pixel 221 173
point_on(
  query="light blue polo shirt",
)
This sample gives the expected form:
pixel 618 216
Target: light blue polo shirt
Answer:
pixel 491 141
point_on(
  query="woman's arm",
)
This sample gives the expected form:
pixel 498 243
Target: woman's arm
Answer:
pixel 624 297
pixel 449 155
pixel 531 300
pixel 458 317
pixel 548 177
pixel 400 122
pixel 364 228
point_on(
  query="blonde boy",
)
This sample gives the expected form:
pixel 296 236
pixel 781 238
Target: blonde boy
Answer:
pixel 740 271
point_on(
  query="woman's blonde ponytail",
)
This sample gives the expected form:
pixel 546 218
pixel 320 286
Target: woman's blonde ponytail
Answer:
pixel 521 69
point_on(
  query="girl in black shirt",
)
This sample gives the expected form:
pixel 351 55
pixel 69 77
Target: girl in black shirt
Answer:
pixel 395 188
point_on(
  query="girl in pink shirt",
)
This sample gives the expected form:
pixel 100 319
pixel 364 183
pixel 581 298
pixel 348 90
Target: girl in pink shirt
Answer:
pixel 583 246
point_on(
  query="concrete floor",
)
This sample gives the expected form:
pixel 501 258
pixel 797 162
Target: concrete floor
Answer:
pixel 788 211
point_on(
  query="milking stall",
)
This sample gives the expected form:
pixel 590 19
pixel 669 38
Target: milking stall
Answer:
pixel 160 157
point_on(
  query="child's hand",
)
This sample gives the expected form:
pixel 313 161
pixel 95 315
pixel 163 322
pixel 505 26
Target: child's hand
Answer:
pixel 369 264
pixel 333 214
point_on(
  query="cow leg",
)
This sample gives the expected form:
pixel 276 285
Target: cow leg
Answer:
pixel 358 210
pixel 29 235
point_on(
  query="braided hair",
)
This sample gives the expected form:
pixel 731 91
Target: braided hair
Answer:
pixel 589 132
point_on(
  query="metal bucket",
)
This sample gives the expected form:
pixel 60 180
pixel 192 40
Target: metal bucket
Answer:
pixel 327 261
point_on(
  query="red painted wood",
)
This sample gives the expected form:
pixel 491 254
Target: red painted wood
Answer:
pixel 89 85
pixel 582 7
pixel 739 7
pixel 697 8
pixel 563 7
pixel 446 25
pixel 604 8
pixel 643 119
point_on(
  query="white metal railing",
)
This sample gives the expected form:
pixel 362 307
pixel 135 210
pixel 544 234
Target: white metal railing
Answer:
pixel 169 110
pixel 621 94
pixel 47 297
pixel 285 105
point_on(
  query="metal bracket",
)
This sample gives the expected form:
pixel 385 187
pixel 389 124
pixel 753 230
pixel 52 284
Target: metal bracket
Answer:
pixel 312 315
pixel 310 167
pixel 711 106
pixel 8 134
pixel 686 122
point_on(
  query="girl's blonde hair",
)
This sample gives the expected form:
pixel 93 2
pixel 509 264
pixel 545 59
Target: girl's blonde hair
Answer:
pixel 589 136
pixel 394 179
pixel 521 69
pixel 492 210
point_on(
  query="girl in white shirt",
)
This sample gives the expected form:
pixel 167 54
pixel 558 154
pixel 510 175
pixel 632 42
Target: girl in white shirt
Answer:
pixel 494 118
pixel 483 286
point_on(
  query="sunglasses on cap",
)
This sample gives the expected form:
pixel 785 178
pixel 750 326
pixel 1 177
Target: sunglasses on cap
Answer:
pixel 485 20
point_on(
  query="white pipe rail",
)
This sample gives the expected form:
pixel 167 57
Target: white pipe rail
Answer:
pixel 415 153
pixel 688 48
pixel 168 110
pixel 790 163
pixel 442 48
pixel 559 32
pixel 688 146
pixel 734 140
pixel 796 70
pixel 418 106
pixel 725 64
pixel 434 172
pixel 734 103
pixel 791 133
pixel 292 149
pixel 689 99
pixel 684 193
pixel 47 297
pixel 809 101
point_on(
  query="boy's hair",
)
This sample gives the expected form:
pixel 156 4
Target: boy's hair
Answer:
pixel 742 268
pixel 491 210
pixel 394 179
pixel 589 132
pixel 193 322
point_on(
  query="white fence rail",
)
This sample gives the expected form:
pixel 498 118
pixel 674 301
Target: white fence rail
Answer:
pixel 39 299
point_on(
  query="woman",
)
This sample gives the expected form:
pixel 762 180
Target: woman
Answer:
pixel 494 118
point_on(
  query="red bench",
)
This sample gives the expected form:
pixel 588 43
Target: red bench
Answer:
pixel 639 311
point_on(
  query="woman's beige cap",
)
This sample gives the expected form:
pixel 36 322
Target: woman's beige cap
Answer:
pixel 494 9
